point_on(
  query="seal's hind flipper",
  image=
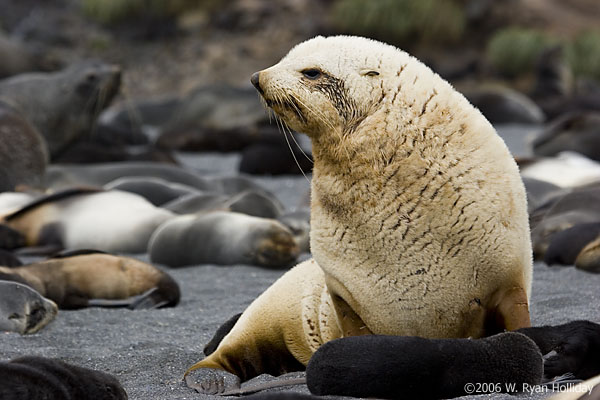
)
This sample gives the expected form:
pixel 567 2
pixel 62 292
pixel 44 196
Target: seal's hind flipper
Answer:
pixel 211 380
pixel 150 299
pixel 509 311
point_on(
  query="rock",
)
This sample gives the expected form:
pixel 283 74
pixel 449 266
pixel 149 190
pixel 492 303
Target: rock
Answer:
pixel 577 131
pixel 504 105
pixel 217 117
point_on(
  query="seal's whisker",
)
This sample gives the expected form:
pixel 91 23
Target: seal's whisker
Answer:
pixel 322 118
pixel 292 151
pixel 296 142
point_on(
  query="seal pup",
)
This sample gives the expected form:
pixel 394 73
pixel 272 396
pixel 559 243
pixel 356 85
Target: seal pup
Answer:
pixel 573 347
pixel 91 279
pixel 22 309
pixel 565 246
pixel 393 367
pixel 83 218
pixel 36 378
pixel 223 238
pixel 418 214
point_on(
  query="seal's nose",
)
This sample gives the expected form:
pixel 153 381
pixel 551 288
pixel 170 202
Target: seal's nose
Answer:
pixel 255 81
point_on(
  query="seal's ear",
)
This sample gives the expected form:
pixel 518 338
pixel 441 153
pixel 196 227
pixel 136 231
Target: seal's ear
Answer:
pixel 369 72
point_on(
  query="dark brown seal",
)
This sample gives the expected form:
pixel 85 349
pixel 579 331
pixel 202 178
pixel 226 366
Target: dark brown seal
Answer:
pixel 23 153
pixel 63 105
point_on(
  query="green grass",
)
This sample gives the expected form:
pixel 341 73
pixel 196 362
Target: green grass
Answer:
pixel 583 54
pixel 401 21
pixel 513 51
pixel 115 11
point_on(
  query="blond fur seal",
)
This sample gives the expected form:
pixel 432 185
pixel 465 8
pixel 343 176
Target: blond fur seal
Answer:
pixel 418 214
pixel 91 279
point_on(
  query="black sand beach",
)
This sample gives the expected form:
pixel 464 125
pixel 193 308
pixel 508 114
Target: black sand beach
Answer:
pixel 150 350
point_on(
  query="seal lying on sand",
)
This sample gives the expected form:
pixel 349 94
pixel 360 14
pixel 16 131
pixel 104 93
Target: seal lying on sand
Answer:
pixel 223 238
pixel 419 221
pixel 393 367
pixel 88 278
pixel 22 309
pixel 83 218
pixel 34 378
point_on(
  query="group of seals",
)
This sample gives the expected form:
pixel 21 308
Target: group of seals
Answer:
pixel 88 278
pixel 124 222
pixel 419 222
pixel 566 228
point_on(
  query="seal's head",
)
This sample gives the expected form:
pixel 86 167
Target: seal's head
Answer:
pixel 326 84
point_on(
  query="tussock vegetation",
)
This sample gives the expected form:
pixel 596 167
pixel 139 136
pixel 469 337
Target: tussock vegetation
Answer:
pixel 401 21
pixel 115 11
pixel 513 51
pixel 584 54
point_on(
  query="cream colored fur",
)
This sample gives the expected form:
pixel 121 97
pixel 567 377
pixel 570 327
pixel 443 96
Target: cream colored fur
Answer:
pixel 417 209
pixel 418 213
pixel 293 315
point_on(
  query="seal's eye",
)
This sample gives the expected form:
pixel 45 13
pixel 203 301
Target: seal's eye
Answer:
pixel 312 73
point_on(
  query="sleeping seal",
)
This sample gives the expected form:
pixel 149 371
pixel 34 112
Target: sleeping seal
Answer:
pixel 84 218
pixel 88 278
pixel 223 237
pixel 22 309
pixel 393 367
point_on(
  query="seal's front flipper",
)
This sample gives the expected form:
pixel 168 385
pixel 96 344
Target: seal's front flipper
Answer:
pixel 211 380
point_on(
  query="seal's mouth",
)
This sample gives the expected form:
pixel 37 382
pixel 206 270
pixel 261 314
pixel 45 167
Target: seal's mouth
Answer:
pixel 286 105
